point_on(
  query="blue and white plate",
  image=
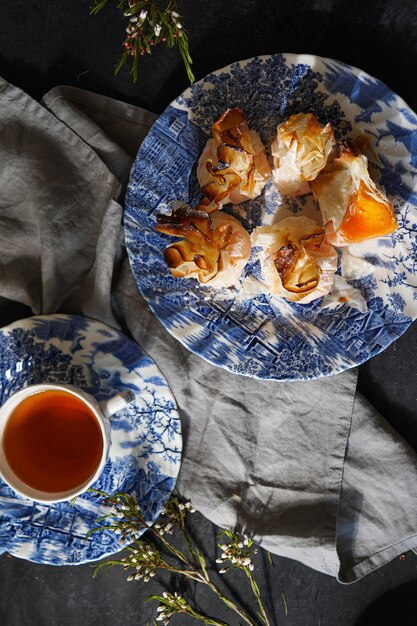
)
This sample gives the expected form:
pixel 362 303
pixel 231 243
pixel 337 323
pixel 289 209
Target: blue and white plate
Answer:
pixel 145 451
pixel 264 336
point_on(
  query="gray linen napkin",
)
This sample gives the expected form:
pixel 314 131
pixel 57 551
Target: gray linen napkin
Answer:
pixel 296 464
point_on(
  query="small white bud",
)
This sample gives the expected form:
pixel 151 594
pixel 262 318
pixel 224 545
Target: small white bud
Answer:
pixel 143 14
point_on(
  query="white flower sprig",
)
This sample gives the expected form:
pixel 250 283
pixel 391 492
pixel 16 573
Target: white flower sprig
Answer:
pixel 150 23
pixel 238 553
pixel 144 558
pixel 173 604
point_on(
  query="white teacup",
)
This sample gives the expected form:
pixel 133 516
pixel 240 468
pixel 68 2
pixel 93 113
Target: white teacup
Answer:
pixel 54 440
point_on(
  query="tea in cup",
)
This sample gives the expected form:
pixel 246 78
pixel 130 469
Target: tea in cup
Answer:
pixel 54 440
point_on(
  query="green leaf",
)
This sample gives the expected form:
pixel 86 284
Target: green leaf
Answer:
pixel 285 603
pixel 203 565
pixel 100 4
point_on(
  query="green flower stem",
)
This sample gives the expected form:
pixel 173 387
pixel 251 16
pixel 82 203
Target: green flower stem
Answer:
pixel 195 554
pixel 194 573
pixel 203 618
pixel 107 565
pixel 226 600
pixel 229 603
pixel 189 545
pixel 257 595
pixel 180 556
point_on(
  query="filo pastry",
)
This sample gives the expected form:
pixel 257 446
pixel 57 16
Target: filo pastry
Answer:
pixel 300 151
pixel 214 248
pixel 297 263
pixel 352 206
pixel 233 166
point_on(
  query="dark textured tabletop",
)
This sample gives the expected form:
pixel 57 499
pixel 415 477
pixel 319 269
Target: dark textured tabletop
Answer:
pixel 45 43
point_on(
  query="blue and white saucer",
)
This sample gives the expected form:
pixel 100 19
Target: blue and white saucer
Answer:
pixel 145 451
pixel 264 336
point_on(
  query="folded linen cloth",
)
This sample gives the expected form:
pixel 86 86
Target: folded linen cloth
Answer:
pixel 298 464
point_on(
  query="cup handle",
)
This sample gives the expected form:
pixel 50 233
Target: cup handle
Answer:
pixel 117 403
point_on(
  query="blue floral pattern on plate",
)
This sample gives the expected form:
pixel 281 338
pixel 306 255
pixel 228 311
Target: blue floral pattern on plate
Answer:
pixel 145 451
pixel 265 336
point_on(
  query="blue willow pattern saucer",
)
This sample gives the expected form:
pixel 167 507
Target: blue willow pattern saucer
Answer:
pixel 265 336
pixel 145 451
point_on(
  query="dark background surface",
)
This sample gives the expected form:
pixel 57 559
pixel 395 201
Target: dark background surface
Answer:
pixel 44 43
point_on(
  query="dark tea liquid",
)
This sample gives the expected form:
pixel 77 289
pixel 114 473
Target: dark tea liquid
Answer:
pixel 52 441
